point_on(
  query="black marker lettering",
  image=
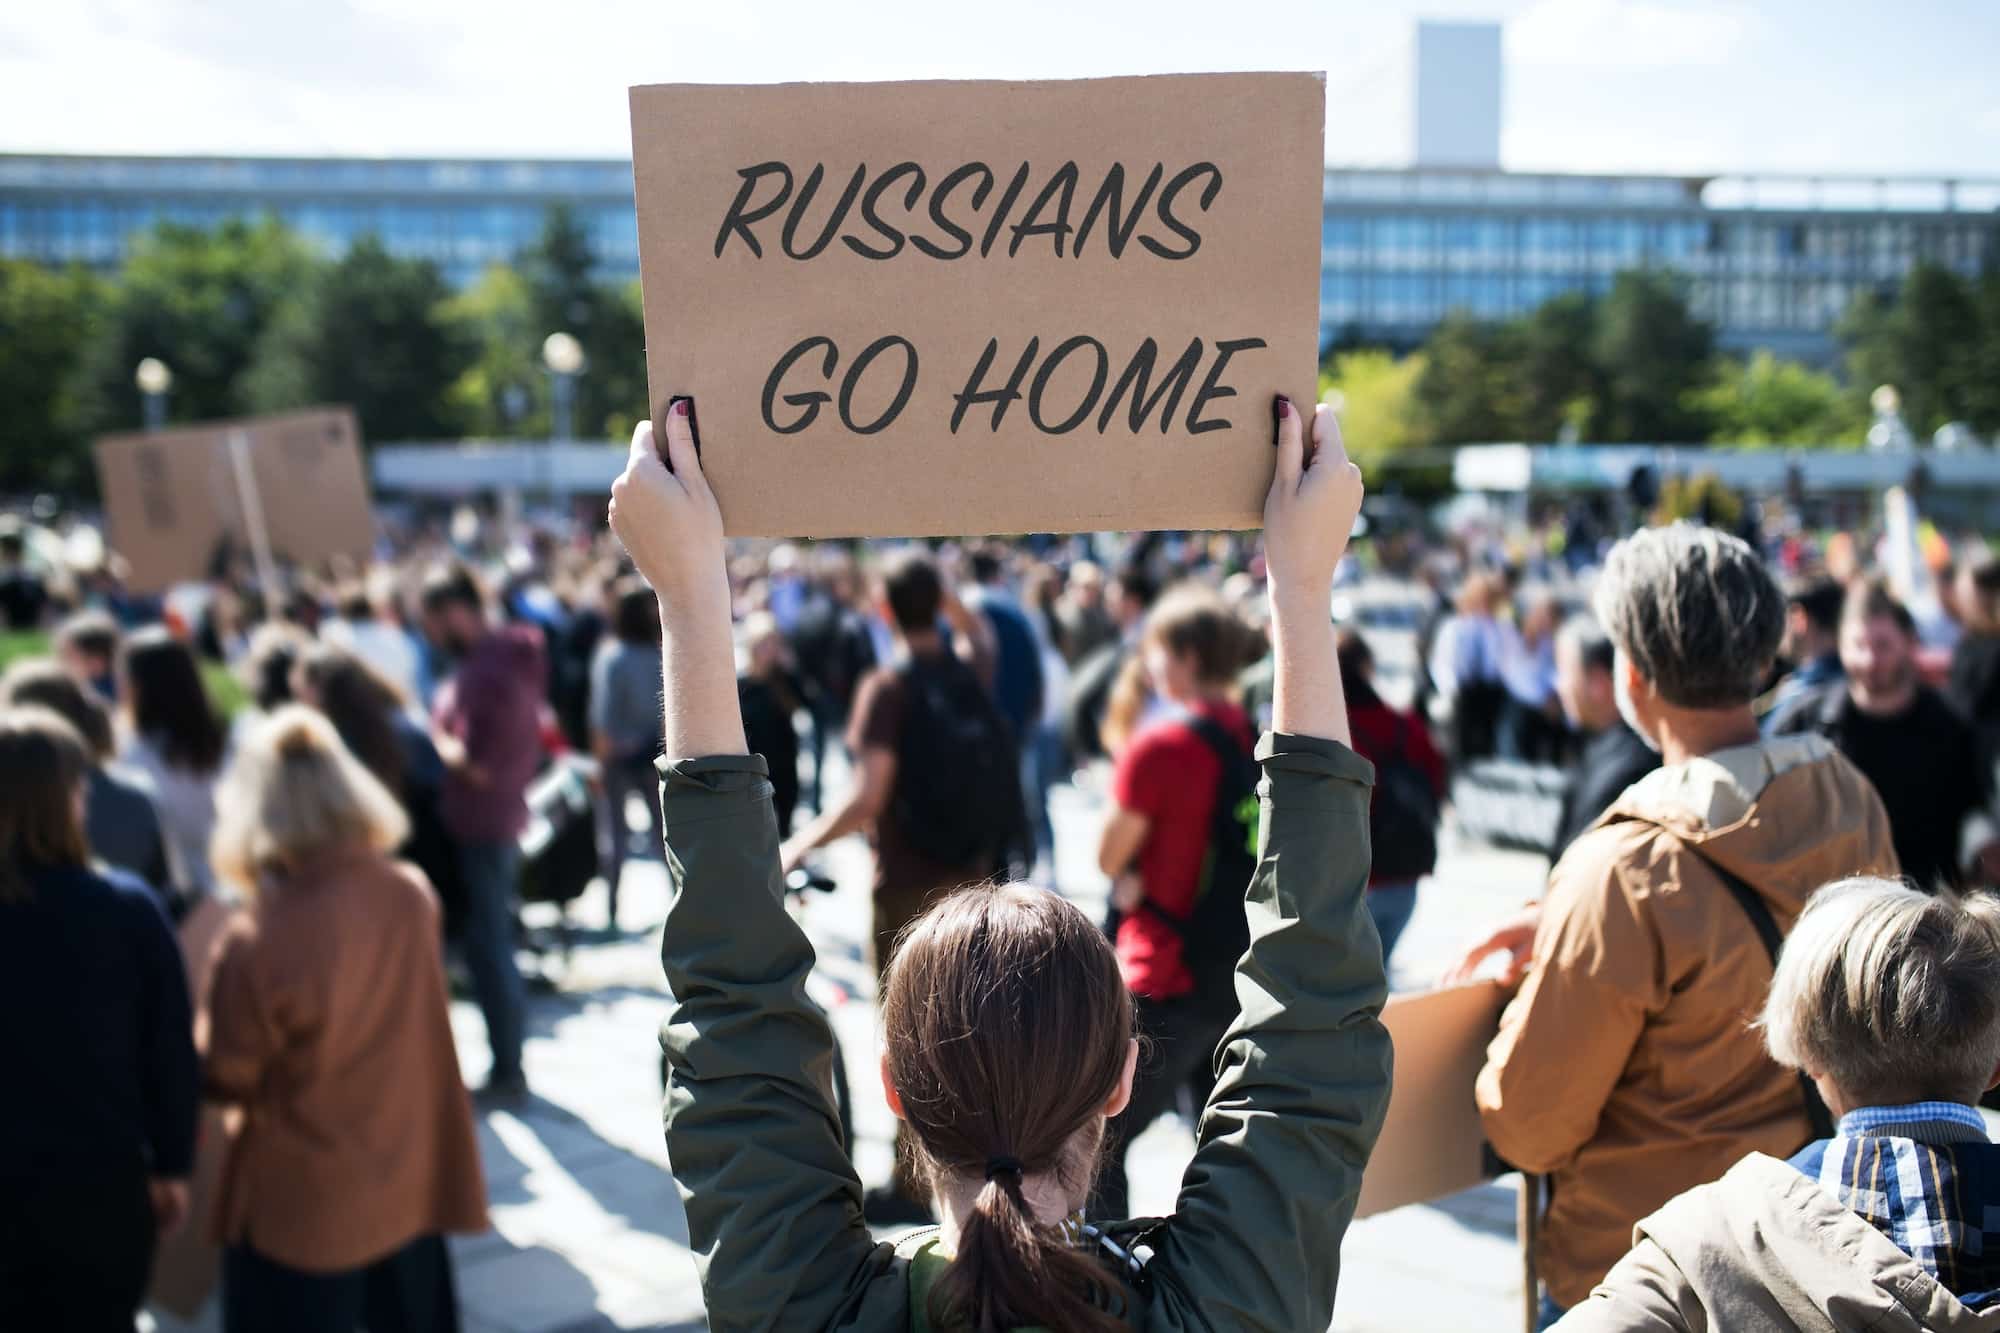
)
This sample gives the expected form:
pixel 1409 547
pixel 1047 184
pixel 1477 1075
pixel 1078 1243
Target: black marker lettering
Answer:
pixel 1000 213
pixel 833 221
pixel 736 220
pixel 1061 186
pixel 1000 397
pixel 1167 197
pixel 809 401
pixel 1110 197
pixel 854 373
pixel 1211 389
pixel 1076 418
pixel 945 187
pixel 874 219
pixel 1140 369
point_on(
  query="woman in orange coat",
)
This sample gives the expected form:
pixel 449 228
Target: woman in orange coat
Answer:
pixel 329 1027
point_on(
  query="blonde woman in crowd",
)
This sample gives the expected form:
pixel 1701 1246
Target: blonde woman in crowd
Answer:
pixel 330 1030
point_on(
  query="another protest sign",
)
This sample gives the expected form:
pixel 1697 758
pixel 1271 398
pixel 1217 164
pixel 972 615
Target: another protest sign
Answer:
pixel 930 308
pixel 181 503
pixel 1432 1144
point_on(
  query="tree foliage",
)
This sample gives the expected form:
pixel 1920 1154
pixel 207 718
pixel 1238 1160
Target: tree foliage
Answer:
pixel 1767 401
pixel 1652 354
pixel 1937 339
pixel 367 332
pixel 1377 402
pixel 201 302
pixel 45 319
pixel 506 315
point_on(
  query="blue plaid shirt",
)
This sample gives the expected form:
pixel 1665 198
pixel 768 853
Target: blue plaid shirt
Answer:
pixel 1925 1176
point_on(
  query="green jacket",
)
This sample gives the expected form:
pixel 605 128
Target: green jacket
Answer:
pixel 773 1205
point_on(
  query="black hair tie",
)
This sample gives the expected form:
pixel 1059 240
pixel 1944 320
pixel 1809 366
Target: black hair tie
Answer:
pixel 997 1167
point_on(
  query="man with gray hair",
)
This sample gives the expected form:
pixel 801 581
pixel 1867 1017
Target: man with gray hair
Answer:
pixel 1625 1067
pixel 1889 1000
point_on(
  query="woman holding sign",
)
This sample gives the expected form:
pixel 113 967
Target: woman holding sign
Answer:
pixel 1008 1034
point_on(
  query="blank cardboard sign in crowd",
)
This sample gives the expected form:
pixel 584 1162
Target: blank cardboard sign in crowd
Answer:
pixel 940 307
pixel 175 500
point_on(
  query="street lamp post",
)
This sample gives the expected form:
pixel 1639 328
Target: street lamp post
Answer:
pixel 1889 430
pixel 563 355
pixel 154 380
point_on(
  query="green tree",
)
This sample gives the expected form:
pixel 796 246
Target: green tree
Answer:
pixel 1652 354
pixel 1932 340
pixel 1470 388
pixel 558 269
pixel 45 319
pixel 200 301
pixel 1378 402
pixel 503 391
pixel 505 316
pixel 1559 383
pixel 1767 401
pixel 369 333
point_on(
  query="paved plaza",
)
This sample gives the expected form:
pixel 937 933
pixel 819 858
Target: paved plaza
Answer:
pixel 588 1233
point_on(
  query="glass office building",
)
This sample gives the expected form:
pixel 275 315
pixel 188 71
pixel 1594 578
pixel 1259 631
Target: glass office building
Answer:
pixel 463 214
pixel 1772 261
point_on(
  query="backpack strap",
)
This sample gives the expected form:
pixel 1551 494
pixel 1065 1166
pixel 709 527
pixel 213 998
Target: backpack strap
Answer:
pixel 1228 754
pixel 1761 920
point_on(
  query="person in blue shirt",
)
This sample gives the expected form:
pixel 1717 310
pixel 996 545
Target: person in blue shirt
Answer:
pixel 97 1128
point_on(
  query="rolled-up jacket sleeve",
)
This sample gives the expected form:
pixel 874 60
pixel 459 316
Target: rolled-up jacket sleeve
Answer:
pixel 1303 1071
pixel 773 1206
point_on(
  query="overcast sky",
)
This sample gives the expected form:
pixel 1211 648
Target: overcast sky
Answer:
pixel 1615 85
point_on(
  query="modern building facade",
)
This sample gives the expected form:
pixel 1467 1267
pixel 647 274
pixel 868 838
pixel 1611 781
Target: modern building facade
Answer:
pixel 1771 261
pixel 461 214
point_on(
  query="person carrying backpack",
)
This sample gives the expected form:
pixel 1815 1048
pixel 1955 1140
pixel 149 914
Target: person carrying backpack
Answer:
pixel 1178 840
pixel 1007 1034
pixel 1409 787
pixel 937 788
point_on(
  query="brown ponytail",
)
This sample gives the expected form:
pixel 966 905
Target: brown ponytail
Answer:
pixel 1006 1028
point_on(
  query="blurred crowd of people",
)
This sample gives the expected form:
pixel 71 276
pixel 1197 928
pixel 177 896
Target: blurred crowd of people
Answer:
pixel 245 912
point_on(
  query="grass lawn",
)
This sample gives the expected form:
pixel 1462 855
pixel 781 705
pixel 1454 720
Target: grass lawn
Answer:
pixel 223 688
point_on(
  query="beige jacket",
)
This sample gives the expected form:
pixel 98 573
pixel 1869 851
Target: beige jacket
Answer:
pixel 1766 1248
pixel 1626 1068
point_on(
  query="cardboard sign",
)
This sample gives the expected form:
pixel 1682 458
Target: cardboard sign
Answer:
pixel 918 309
pixel 1431 1141
pixel 175 510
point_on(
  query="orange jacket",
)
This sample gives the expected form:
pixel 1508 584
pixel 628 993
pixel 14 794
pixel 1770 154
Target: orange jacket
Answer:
pixel 329 1027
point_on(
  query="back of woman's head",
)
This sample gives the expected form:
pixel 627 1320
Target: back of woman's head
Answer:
pixel 169 706
pixel 42 766
pixel 41 682
pixel 293 794
pixel 1006 1031
pixel 1191 621
pixel 362 706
